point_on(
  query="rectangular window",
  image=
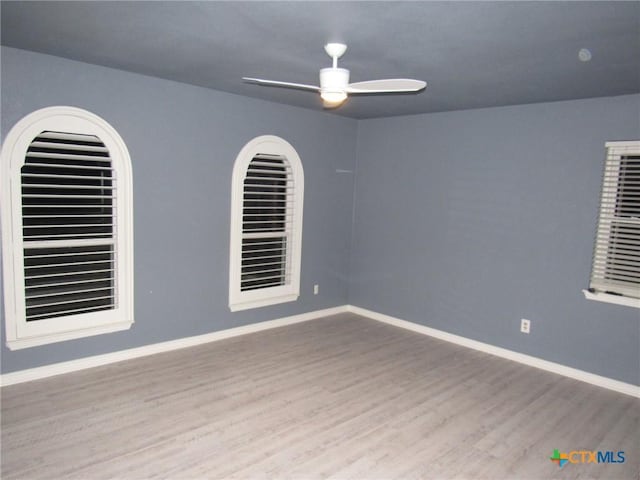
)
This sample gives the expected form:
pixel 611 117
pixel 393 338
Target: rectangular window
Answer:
pixel 616 260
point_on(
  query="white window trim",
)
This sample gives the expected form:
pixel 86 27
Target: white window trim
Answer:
pixel 607 297
pixel 19 332
pixel 238 300
pixel 615 299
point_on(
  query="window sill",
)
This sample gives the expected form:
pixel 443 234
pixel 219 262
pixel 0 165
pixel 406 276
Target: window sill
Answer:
pixel 61 337
pixel 616 299
pixel 235 307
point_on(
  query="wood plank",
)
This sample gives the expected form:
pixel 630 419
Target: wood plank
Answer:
pixel 339 397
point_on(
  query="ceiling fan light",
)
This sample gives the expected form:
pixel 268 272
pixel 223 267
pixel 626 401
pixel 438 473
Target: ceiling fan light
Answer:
pixel 333 97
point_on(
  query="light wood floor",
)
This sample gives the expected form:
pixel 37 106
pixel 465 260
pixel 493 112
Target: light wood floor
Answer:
pixel 341 397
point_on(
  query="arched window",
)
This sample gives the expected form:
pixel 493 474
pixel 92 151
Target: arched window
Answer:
pixel 67 231
pixel 266 224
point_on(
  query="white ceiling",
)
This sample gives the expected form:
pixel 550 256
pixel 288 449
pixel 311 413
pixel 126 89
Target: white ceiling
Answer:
pixel 472 54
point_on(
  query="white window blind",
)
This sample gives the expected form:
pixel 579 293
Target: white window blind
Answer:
pixel 616 259
pixel 68 226
pixel 267 222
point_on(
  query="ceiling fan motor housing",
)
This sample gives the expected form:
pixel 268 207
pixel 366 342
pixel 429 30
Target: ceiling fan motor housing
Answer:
pixel 334 80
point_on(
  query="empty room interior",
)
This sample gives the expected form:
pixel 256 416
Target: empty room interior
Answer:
pixel 369 240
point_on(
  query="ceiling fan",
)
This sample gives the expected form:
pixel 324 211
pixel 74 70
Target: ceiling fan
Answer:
pixel 334 82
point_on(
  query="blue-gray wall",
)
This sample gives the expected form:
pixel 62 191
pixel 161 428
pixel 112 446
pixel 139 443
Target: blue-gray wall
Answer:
pixel 469 221
pixel 463 221
pixel 183 141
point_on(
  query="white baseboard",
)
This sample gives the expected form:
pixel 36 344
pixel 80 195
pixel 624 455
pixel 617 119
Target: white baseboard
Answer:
pixel 98 360
pixel 600 381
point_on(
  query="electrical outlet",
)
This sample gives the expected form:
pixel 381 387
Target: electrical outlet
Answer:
pixel 525 325
pixel 315 289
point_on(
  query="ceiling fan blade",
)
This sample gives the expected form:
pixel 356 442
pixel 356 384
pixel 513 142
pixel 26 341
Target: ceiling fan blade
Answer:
pixel 389 85
pixel 275 83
